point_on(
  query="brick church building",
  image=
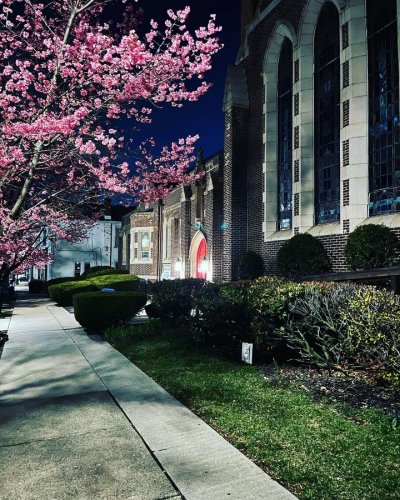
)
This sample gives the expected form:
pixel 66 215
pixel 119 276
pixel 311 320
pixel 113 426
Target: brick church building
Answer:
pixel 181 236
pixel 312 142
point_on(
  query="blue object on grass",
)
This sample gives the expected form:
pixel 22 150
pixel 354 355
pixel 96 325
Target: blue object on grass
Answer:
pixel 108 290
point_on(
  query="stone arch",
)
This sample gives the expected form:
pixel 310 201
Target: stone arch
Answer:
pixel 197 239
pixel 309 19
pixel 283 29
pixel 304 154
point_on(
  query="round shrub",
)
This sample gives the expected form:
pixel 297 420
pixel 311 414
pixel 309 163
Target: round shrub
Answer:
pixel 251 266
pixel 64 292
pixel 303 255
pixel 371 246
pixel 98 310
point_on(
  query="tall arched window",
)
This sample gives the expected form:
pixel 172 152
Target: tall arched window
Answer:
pixel 327 116
pixel 285 111
pixel 384 122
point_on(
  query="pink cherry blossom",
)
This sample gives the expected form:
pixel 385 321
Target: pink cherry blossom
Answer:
pixel 66 79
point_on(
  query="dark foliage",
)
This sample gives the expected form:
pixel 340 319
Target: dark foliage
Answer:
pixel 251 266
pixel 37 286
pixel 63 293
pixel 174 298
pixel 303 255
pixel 98 310
pixel 372 246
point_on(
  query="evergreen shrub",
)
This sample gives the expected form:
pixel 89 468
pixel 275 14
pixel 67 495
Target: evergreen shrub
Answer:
pixel 57 281
pixel 372 246
pixel 251 266
pixel 173 298
pixel 94 272
pixel 120 282
pixel 303 255
pixel 98 310
pixel 270 299
pixel 346 325
pixel 222 313
pixel 63 293
pixel 37 286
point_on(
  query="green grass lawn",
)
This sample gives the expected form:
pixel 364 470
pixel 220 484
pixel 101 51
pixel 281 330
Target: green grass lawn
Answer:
pixel 315 449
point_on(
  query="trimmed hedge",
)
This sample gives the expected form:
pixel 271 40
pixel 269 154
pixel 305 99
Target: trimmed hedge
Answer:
pixel 98 310
pixel 103 272
pixel 57 281
pixel 120 282
pixel 63 293
pixel 94 270
pixel 372 246
pixel 303 255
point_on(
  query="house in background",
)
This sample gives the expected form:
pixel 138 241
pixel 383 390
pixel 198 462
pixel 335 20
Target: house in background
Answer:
pixel 100 248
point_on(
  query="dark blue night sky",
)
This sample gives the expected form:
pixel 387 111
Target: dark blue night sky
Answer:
pixel 204 117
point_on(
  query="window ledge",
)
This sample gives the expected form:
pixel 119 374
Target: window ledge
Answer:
pixel 333 228
pixel 280 235
pixel 389 220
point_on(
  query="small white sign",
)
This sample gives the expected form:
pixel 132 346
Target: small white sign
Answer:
pixel 247 353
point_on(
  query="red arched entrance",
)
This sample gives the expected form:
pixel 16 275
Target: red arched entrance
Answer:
pixel 201 254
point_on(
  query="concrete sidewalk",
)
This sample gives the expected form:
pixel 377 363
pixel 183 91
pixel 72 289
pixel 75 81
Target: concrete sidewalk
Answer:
pixel 78 420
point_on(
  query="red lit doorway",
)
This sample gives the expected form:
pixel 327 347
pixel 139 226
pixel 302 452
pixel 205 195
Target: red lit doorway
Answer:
pixel 202 255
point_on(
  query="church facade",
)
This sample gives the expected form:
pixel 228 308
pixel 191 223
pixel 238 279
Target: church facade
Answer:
pixel 312 131
pixel 312 143
pixel 181 236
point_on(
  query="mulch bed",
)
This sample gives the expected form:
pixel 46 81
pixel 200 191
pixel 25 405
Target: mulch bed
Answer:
pixel 358 389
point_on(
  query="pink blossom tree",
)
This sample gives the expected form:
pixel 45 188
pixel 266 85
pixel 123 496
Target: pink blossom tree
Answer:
pixel 68 77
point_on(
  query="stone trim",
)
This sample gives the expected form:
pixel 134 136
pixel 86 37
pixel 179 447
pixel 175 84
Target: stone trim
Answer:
pixel 282 30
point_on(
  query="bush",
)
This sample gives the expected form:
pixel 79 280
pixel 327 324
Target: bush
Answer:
pixel 57 281
pixel 371 246
pixel 120 282
pixel 303 255
pixel 251 266
pixel 174 298
pixel 37 286
pixel 270 298
pixel 336 325
pixel 222 313
pixel 63 293
pixel 374 323
pixel 98 310
pixel 317 327
pixel 94 272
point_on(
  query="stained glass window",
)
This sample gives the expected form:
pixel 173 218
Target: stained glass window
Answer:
pixel 145 246
pixel 327 116
pixel 285 111
pixel 384 121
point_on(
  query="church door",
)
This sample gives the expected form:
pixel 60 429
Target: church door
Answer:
pixel 201 256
